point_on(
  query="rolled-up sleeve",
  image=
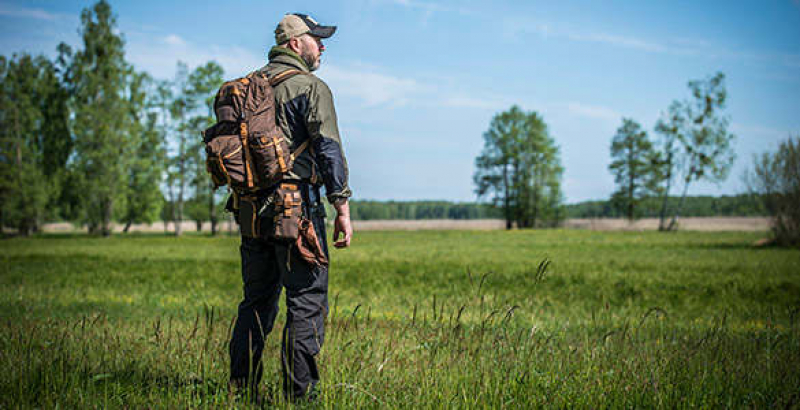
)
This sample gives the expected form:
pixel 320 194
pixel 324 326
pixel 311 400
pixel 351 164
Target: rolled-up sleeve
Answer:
pixel 327 146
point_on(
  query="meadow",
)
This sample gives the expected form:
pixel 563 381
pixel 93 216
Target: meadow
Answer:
pixel 428 319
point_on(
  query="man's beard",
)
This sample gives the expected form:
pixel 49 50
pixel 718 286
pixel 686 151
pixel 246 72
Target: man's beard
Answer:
pixel 312 64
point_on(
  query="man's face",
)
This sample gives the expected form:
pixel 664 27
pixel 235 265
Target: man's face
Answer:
pixel 311 49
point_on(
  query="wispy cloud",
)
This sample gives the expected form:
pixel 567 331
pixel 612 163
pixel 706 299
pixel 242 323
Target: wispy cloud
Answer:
pixel 516 28
pixel 158 54
pixel 460 101
pixel 761 132
pixel 675 46
pixel 370 85
pixel 11 10
pixel 620 41
pixel 593 111
pixel 175 40
pixel 429 7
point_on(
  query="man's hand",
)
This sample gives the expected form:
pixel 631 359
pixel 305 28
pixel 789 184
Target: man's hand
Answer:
pixel 341 225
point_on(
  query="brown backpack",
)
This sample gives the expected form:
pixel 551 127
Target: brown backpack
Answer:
pixel 245 149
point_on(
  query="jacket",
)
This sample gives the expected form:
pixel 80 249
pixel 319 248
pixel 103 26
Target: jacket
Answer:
pixel 304 110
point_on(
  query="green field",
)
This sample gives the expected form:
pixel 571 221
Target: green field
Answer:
pixel 433 319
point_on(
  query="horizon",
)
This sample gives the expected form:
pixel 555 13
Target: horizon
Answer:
pixel 425 78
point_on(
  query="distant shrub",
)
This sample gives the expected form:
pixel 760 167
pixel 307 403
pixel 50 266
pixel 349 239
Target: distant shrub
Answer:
pixel 775 179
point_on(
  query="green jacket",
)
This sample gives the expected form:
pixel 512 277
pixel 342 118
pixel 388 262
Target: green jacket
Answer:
pixel 304 110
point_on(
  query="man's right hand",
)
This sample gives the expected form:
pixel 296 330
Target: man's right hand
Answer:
pixel 341 225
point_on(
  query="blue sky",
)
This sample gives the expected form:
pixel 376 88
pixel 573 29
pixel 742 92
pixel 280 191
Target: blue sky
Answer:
pixel 417 82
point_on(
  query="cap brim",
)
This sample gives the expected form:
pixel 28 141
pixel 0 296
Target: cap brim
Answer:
pixel 322 31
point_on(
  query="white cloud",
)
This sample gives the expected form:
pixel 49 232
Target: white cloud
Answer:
pixel 593 111
pixel 759 131
pixel 158 55
pixel 369 86
pixel 175 40
pixel 620 41
pixel 26 12
pixel 473 102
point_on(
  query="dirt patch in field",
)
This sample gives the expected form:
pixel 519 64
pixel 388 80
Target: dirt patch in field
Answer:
pixel 686 224
pixel 689 224
pixel 600 224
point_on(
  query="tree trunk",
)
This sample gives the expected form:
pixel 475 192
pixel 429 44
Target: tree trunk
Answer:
pixel 674 222
pixel 506 201
pixel 127 226
pixel 199 225
pixel 212 215
pixel 108 209
pixel 663 214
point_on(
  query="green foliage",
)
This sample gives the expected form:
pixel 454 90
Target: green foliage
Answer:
pixel 696 206
pixel 33 141
pixel 105 145
pixel 635 168
pixel 775 179
pixel 376 210
pixel 417 320
pixel 191 111
pixel 520 170
pixel 144 197
pixel 203 83
pixel 695 142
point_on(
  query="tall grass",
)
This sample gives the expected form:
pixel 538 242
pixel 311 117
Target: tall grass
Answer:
pixel 417 320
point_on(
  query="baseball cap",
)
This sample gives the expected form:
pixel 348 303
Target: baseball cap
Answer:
pixel 295 24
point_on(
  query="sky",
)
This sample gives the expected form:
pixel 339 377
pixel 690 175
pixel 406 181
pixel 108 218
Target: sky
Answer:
pixel 416 83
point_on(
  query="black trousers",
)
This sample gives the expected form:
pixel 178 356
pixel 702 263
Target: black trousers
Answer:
pixel 267 268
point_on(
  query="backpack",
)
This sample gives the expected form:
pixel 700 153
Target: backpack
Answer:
pixel 245 149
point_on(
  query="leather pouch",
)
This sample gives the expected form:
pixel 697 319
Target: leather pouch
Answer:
pixel 287 213
pixel 308 245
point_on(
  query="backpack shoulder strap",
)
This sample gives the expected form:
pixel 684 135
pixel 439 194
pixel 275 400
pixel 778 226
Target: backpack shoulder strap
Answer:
pixel 277 79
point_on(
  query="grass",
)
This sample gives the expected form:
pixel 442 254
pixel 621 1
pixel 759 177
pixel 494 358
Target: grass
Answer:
pixel 430 319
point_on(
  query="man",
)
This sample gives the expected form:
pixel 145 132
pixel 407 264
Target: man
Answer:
pixel 304 111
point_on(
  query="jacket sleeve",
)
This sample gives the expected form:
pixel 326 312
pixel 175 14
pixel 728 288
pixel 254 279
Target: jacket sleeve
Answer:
pixel 327 146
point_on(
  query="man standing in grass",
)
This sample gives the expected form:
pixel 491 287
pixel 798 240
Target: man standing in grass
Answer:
pixel 304 111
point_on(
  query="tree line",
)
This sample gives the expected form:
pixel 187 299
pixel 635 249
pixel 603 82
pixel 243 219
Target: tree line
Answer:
pixel 87 138
pixel 695 206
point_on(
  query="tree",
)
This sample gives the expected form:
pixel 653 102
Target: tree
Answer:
pixel 102 124
pixel 202 83
pixel 180 160
pixel 634 166
pixel 519 168
pixel 695 142
pixel 144 198
pixel 775 179
pixel 34 143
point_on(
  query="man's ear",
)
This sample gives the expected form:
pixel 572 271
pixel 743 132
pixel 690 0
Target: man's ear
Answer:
pixel 294 44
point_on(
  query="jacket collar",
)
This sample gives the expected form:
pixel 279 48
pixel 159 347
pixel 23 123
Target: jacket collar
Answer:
pixel 282 55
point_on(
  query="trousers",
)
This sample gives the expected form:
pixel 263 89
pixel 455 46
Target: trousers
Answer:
pixel 267 268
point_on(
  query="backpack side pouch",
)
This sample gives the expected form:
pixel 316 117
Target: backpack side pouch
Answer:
pixel 225 159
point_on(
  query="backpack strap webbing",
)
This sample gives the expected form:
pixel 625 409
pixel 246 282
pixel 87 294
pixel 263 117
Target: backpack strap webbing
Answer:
pixel 300 149
pixel 278 78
